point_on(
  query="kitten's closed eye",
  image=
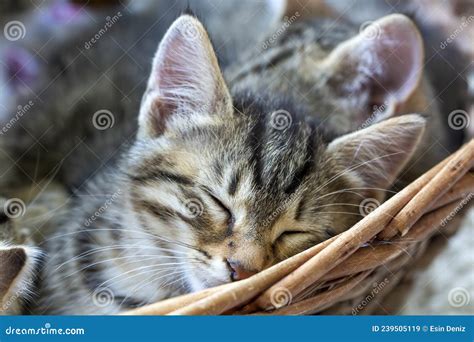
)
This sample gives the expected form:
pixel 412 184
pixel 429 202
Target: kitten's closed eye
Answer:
pixel 225 209
pixel 290 234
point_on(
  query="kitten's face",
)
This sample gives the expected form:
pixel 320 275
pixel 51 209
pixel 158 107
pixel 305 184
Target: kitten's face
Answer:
pixel 232 185
pixel 244 193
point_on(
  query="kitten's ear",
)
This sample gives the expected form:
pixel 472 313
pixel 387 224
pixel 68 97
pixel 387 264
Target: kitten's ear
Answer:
pixel 381 66
pixel 377 154
pixel 185 81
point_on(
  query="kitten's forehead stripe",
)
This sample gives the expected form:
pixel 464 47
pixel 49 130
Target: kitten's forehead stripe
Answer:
pixel 304 169
pixel 154 208
pixel 156 175
pixel 254 142
pixel 234 182
pixel 300 208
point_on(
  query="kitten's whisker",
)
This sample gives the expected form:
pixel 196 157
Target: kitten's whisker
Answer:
pixel 155 278
pixel 341 212
pixel 143 257
pixel 150 269
pixel 353 192
pixel 334 204
pixel 158 275
pixel 53 173
pixel 50 213
pixel 167 284
pixel 179 243
pixel 134 270
pixel 140 231
pixel 340 174
pixel 107 248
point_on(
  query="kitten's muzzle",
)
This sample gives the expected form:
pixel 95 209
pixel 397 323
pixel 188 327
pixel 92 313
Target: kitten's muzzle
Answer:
pixel 238 271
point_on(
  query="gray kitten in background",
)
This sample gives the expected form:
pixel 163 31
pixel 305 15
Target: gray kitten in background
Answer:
pixel 226 178
pixel 97 62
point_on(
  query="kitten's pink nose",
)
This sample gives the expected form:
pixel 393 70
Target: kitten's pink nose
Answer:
pixel 238 271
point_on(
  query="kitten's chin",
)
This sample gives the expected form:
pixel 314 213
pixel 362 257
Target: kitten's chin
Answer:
pixel 213 274
pixel 196 284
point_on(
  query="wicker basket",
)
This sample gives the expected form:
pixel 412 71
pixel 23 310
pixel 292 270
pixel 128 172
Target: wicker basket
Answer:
pixel 339 275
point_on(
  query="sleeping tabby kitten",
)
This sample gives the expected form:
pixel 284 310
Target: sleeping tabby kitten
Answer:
pixel 225 179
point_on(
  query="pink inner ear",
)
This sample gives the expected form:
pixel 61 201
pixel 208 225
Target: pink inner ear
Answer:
pixel 182 70
pixel 176 67
pixel 399 52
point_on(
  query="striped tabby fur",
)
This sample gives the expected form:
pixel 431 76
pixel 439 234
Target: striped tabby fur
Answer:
pixel 226 178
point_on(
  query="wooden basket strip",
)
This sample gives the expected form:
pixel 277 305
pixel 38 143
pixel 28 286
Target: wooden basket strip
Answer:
pixel 365 285
pixel 364 259
pixel 168 305
pixel 391 257
pixel 371 257
pixel 321 301
pixel 360 292
pixel 374 305
pixel 462 189
pixel 457 167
